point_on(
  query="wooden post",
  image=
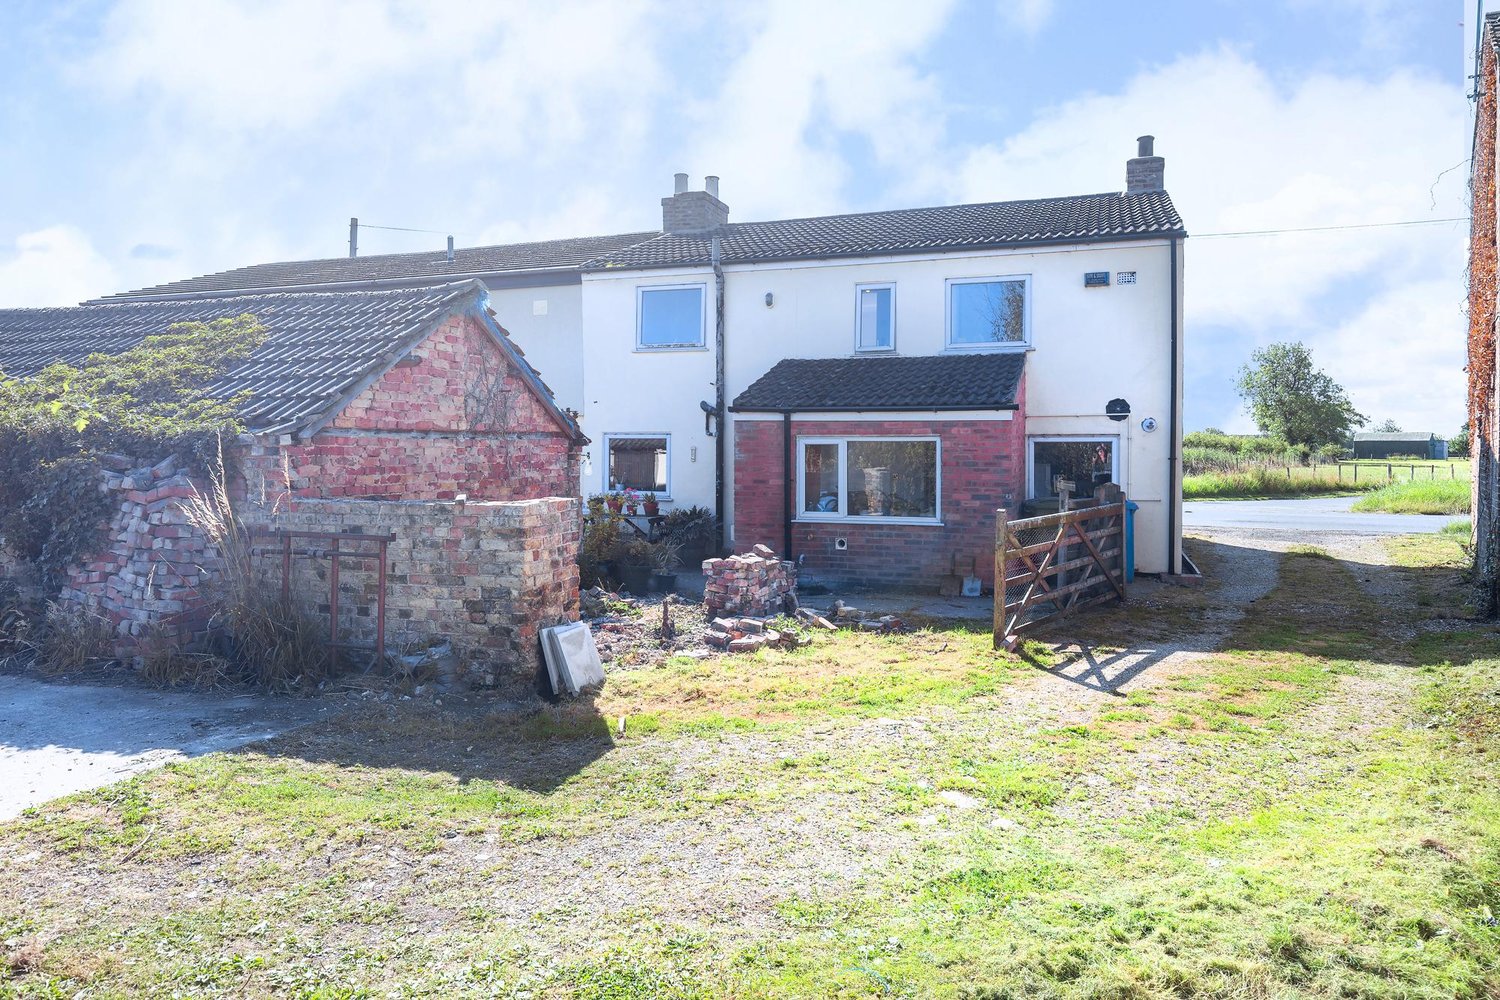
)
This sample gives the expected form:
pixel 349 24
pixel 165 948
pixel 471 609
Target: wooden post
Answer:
pixel 1001 520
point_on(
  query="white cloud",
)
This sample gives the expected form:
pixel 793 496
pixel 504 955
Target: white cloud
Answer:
pixel 1027 16
pixel 55 266
pixel 1245 151
pixel 811 77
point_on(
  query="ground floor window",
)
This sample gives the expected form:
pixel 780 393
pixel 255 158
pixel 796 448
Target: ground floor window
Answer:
pixel 1073 464
pixel 637 462
pixel 868 477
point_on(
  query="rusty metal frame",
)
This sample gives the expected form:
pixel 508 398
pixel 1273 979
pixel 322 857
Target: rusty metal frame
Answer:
pixel 334 552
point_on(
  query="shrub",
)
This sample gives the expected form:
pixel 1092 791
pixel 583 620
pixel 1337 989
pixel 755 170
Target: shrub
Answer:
pixel 601 535
pixel 1433 496
pixel 695 529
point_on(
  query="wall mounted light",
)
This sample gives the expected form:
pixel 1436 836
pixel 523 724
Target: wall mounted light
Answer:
pixel 770 300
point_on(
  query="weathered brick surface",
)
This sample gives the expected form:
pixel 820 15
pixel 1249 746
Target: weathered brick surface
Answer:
pixel 485 576
pixel 755 583
pixel 150 575
pixel 983 462
pixel 452 417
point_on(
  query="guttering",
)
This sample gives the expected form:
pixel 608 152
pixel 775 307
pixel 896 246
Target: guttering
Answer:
pixel 873 409
pixel 1174 488
pixel 720 395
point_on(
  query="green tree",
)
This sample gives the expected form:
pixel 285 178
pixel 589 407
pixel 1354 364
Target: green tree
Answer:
pixel 1387 427
pixel 1292 399
pixel 1458 444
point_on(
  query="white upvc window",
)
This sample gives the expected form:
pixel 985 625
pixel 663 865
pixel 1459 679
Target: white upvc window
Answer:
pixel 894 479
pixel 1085 462
pixel 640 462
pixel 989 314
pixel 670 317
pixel 875 317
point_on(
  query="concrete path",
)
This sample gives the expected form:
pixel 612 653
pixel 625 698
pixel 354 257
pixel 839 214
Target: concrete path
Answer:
pixel 1312 514
pixel 56 739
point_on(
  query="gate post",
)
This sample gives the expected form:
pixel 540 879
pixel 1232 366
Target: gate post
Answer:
pixel 1001 520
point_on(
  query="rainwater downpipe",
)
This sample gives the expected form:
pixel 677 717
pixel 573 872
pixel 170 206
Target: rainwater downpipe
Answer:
pixel 716 257
pixel 1172 484
pixel 786 486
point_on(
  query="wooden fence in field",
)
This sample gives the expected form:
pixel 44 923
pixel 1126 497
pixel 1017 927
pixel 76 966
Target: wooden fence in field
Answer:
pixel 1053 565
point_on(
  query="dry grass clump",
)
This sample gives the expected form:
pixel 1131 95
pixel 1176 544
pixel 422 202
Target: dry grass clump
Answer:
pixel 70 638
pixel 269 639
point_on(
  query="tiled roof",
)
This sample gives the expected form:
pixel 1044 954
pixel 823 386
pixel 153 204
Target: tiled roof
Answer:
pixel 943 382
pixel 1079 219
pixel 549 255
pixel 319 348
pixel 1492 27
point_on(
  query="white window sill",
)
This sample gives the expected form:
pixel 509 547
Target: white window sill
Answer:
pixel 930 522
pixel 988 348
pixel 874 350
pixel 683 349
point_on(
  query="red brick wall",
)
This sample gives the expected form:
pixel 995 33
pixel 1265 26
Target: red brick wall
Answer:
pixel 982 461
pixel 452 417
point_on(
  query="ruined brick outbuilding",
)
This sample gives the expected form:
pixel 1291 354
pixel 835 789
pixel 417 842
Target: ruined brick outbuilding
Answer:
pixel 413 395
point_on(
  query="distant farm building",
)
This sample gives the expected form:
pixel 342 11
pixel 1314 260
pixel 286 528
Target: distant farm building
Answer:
pixel 1380 444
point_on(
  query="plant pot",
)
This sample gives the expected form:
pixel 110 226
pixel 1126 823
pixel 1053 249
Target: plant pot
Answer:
pixel 652 508
pixel 630 510
pixel 663 583
pixel 614 505
pixel 636 579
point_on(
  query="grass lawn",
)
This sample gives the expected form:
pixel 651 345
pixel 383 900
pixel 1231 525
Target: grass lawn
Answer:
pixel 1442 496
pixel 1309 810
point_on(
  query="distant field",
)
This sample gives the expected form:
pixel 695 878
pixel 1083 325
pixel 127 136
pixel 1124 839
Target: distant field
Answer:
pixel 1256 480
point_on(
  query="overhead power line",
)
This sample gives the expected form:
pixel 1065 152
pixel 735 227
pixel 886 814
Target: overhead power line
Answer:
pixel 1327 229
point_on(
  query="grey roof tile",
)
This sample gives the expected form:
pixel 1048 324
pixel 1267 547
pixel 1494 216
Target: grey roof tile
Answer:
pixel 1078 219
pixel 319 345
pixel 943 382
pixel 1082 218
pixel 547 255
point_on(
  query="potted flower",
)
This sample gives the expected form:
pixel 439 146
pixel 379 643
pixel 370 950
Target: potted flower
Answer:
pixel 632 502
pixel 651 505
pixel 614 501
pixel 665 557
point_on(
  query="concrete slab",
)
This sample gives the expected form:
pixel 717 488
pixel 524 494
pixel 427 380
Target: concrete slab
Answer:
pixel 56 739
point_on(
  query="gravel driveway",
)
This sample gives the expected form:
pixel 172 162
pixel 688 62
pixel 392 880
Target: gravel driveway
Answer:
pixel 56 739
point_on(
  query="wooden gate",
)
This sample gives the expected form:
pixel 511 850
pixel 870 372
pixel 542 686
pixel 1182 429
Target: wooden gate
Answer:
pixel 1053 565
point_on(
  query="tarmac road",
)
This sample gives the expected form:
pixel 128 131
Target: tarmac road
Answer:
pixel 1312 514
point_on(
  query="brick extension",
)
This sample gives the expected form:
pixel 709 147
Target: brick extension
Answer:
pixel 982 462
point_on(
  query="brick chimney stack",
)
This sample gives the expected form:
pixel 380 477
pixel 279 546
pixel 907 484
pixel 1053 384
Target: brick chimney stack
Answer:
pixel 693 211
pixel 1146 171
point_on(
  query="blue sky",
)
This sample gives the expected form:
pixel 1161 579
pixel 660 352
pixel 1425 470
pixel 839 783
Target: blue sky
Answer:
pixel 147 140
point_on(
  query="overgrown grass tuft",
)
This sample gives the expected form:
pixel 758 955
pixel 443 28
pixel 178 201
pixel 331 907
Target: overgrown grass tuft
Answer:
pixel 1440 496
pixel 1258 483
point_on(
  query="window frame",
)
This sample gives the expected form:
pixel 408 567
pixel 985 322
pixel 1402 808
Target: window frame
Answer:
pixel 859 289
pixel 665 494
pixel 1024 344
pixel 640 316
pixel 842 516
pixel 1116 455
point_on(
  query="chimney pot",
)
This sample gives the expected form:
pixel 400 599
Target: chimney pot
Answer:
pixel 1144 145
pixel 711 185
pixel 679 183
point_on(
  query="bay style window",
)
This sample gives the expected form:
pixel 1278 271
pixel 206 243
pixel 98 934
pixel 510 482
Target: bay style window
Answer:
pixel 875 317
pixel 986 314
pixel 876 478
pixel 670 317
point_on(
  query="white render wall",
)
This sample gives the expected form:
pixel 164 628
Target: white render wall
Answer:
pixel 1090 345
pixel 546 322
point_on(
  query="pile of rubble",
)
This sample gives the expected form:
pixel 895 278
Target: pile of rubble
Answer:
pixel 746 634
pixel 756 584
